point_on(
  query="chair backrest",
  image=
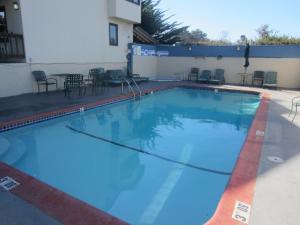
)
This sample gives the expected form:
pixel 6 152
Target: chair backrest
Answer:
pixel 270 77
pixel 74 79
pixel 219 75
pixel 116 74
pixel 206 74
pixel 97 74
pixel 96 71
pixel 195 70
pixel 259 74
pixel 39 75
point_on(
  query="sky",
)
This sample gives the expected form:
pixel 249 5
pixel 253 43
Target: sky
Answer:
pixel 233 18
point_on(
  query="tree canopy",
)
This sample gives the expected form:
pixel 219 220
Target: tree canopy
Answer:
pixel 160 26
pixel 268 36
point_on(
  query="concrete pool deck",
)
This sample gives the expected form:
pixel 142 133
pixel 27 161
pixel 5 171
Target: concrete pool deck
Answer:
pixel 276 199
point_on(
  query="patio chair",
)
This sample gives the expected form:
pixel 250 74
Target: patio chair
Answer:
pixel 41 79
pixel 218 77
pixel 258 76
pixel 115 77
pixel 138 78
pixel 73 82
pixel 270 79
pixel 205 76
pixel 295 104
pixel 193 74
pixel 98 77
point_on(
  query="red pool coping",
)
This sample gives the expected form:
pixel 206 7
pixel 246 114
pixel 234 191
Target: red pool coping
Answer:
pixel 71 211
pixel 241 186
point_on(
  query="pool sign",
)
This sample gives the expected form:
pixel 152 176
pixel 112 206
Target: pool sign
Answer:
pixel 7 183
pixel 162 53
pixel 148 52
pixel 241 212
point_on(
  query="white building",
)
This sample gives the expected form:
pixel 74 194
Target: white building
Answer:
pixel 61 36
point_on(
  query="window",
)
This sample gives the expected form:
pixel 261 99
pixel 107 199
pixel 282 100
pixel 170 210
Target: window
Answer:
pixel 135 1
pixel 3 24
pixel 113 34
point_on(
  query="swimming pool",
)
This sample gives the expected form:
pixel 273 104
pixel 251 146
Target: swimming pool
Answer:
pixel 165 159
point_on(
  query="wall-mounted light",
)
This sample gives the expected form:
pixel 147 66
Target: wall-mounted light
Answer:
pixel 190 48
pixel 16 6
pixel 238 48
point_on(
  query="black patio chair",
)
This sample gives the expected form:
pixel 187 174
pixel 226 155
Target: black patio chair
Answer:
pixel 258 76
pixel 41 79
pixel 73 82
pixel 98 77
pixel 193 74
pixel 115 77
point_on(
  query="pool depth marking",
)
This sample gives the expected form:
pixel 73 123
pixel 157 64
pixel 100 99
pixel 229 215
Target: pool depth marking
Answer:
pixel 241 212
pixel 148 153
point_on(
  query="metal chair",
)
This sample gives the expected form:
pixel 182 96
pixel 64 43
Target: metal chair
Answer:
pixel 98 77
pixel 218 77
pixel 258 76
pixel 73 81
pixel 295 104
pixel 41 79
pixel 194 73
pixel 270 80
pixel 205 76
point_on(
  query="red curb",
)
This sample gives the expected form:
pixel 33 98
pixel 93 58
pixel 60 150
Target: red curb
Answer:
pixel 71 211
pixel 242 182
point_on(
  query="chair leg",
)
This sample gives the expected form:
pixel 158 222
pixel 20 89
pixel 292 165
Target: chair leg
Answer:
pixel 291 109
pixel 295 113
pixel 38 88
pixel 47 89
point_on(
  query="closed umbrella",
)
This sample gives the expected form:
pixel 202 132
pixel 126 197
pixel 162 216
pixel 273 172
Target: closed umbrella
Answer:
pixel 246 55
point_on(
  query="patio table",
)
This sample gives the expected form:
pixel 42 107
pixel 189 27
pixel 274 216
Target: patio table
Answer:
pixel 244 77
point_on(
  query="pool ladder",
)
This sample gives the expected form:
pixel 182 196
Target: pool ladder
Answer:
pixel 131 81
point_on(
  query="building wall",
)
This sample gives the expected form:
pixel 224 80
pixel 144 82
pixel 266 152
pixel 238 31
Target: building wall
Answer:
pixel 288 69
pixel 72 31
pixel 176 61
pixel 124 10
pixel 147 66
pixel 16 78
pixel 70 36
pixel 13 17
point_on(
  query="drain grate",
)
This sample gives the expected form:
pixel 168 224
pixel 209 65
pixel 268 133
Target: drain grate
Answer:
pixel 7 183
pixel 260 133
pixel 275 159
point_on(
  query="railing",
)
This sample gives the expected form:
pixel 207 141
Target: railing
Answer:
pixel 11 47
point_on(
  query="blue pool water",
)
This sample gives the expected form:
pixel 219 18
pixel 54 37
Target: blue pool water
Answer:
pixel 194 127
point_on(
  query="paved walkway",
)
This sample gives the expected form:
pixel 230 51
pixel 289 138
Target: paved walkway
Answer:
pixel 15 211
pixel 277 197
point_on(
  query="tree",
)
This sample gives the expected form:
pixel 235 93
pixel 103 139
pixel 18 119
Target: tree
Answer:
pixel 195 37
pixel 267 36
pixel 264 31
pixel 158 25
pixel 243 40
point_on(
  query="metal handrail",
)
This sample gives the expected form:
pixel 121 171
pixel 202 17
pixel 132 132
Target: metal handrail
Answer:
pixel 130 87
pixel 137 86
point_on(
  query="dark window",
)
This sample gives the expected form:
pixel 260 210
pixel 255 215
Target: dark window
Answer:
pixel 3 24
pixel 135 1
pixel 113 34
